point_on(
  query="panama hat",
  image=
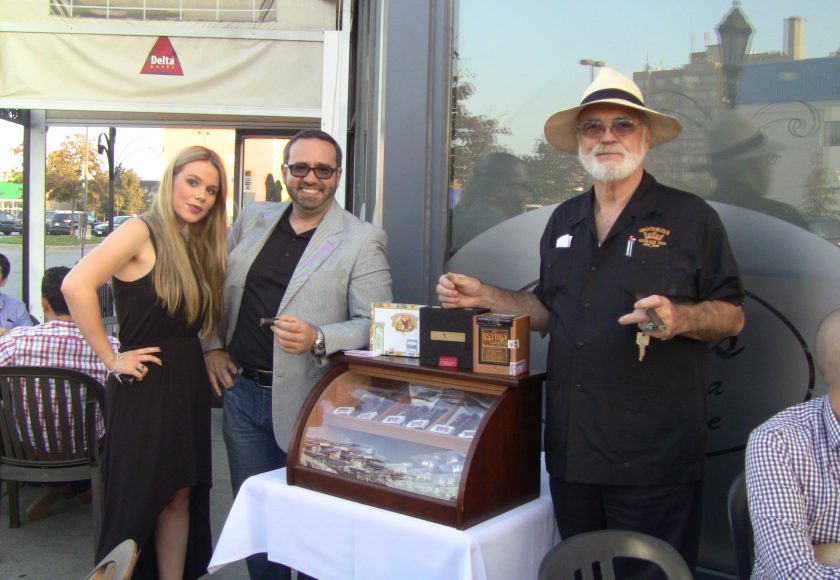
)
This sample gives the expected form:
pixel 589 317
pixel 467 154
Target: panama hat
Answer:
pixel 734 138
pixel 610 86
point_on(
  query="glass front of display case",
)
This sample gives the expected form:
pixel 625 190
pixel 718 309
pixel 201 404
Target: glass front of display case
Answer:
pixel 400 434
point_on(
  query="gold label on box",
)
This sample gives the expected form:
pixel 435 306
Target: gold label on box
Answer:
pixel 448 336
pixel 493 345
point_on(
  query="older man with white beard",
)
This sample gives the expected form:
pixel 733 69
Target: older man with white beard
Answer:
pixel 636 279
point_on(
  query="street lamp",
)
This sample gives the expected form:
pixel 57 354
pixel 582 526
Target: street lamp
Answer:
pixel 108 147
pixel 734 33
pixel 592 64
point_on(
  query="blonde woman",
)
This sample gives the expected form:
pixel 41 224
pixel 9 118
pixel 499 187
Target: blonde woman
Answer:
pixel 168 271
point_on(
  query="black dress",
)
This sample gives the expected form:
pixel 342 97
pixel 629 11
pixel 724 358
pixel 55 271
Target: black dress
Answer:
pixel 158 432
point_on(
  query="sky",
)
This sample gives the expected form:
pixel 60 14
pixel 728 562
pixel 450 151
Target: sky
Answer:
pixel 538 46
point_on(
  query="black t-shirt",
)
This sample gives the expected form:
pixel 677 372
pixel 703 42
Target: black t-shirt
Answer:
pixel 610 417
pixel 253 346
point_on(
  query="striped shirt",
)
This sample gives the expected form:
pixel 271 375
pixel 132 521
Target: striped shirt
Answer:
pixel 53 344
pixel 793 489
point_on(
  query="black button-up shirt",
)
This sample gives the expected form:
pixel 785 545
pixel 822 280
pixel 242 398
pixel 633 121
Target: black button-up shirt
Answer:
pixel 252 345
pixel 610 417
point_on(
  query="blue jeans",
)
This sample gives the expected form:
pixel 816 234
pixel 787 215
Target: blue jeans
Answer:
pixel 252 449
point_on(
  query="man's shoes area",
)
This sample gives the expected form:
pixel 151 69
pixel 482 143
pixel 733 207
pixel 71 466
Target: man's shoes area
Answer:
pixel 40 508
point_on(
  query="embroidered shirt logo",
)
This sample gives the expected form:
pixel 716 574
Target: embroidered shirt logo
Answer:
pixel 653 236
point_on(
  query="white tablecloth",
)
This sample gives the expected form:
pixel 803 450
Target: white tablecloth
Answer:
pixel 333 538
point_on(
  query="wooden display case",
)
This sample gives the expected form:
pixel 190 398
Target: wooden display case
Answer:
pixel 446 445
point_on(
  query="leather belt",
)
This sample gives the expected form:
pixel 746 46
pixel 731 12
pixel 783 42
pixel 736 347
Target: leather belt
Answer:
pixel 260 377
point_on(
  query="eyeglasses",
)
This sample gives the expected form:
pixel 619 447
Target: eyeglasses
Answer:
pixel 621 127
pixel 320 171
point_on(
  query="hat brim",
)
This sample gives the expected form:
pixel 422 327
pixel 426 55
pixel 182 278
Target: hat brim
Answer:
pixel 561 127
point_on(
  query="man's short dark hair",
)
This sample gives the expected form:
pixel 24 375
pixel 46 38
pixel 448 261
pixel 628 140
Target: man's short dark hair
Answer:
pixel 5 267
pixel 313 134
pixel 51 289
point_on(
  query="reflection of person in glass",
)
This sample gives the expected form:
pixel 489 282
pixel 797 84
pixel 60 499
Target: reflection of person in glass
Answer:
pixel 741 159
pixel 497 191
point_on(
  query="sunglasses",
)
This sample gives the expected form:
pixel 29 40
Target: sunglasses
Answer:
pixel 621 127
pixel 321 171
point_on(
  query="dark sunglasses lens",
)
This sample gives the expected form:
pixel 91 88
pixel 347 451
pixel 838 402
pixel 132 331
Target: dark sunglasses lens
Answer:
pixel 323 172
pixel 299 170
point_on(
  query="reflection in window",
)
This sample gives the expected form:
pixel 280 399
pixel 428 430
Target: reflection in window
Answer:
pixel 503 93
pixel 181 10
pixel 832 134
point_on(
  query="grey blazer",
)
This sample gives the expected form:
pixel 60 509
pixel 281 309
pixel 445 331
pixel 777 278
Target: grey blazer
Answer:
pixel 343 269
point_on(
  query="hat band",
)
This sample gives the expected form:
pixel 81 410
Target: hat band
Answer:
pixel 739 148
pixel 604 94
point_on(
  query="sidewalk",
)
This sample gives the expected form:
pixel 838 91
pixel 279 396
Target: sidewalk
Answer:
pixel 61 546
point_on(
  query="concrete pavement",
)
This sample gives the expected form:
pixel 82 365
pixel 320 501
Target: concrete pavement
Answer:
pixel 61 546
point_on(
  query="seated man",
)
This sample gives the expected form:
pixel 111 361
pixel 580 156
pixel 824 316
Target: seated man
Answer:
pixel 793 478
pixel 56 343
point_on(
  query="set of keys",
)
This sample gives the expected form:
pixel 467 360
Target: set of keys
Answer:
pixel 642 337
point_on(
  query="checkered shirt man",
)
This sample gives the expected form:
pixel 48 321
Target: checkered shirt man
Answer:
pixel 56 343
pixel 793 489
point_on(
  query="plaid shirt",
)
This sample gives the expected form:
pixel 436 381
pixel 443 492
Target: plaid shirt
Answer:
pixel 793 488
pixel 53 344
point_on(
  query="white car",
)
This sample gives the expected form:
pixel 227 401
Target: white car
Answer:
pixel 101 230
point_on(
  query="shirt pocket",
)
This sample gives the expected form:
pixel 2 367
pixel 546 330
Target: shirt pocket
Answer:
pixel 556 273
pixel 658 271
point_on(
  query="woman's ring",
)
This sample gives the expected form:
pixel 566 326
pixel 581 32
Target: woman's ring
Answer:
pixel 142 368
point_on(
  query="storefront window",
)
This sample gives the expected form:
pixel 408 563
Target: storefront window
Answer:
pixel 760 146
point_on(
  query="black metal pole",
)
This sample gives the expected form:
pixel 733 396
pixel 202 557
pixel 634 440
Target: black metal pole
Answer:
pixel 112 137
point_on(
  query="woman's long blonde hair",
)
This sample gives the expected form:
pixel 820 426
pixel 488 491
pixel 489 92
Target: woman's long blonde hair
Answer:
pixel 200 247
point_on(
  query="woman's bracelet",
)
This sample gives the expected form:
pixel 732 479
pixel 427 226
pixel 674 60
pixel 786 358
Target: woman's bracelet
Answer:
pixel 119 367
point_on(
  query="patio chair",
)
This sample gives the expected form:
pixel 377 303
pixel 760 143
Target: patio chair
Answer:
pixel 581 555
pixel 118 564
pixel 57 445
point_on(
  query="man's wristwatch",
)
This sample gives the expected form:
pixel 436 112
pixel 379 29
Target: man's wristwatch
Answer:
pixel 319 348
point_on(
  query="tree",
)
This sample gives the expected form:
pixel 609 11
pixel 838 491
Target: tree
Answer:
pixel 820 197
pixel 129 195
pixel 473 136
pixel 15 174
pixel 66 172
pixel 557 176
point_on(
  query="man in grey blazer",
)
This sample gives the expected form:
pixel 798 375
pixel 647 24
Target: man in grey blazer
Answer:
pixel 315 268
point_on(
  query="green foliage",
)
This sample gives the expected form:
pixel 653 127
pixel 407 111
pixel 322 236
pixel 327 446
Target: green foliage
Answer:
pixel 66 172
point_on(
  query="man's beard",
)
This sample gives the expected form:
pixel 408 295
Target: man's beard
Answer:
pixel 610 171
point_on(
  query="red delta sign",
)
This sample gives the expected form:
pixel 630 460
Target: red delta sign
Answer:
pixel 162 60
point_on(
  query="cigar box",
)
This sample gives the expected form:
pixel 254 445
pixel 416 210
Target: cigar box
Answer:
pixel 501 344
pixel 446 336
pixel 395 329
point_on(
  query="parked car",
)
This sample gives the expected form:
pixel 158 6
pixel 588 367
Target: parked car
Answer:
pixel 8 223
pixel 63 223
pixel 68 222
pixel 101 229
pixel 826 227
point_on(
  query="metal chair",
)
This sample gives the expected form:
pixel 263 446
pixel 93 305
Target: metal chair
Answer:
pixel 580 555
pixel 118 564
pixel 57 444
pixel 740 527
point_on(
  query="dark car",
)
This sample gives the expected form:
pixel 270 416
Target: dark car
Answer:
pixel 101 229
pixel 8 223
pixel 826 227
pixel 63 223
